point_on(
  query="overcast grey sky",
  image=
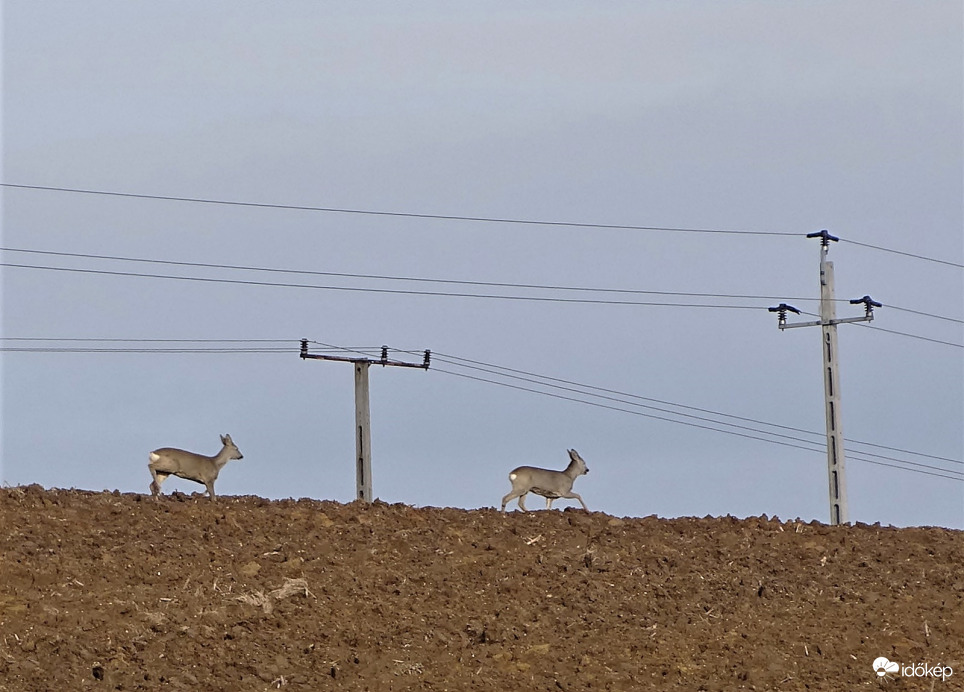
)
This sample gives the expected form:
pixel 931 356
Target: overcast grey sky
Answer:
pixel 771 119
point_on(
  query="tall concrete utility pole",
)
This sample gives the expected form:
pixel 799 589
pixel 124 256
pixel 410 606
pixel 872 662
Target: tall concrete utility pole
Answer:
pixel 363 431
pixel 363 434
pixel 836 463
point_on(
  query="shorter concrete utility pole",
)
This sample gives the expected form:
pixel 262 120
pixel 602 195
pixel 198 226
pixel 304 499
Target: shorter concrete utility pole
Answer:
pixel 836 466
pixel 363 432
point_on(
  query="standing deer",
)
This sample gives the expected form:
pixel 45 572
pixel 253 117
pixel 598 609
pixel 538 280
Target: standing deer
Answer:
pixel 168 461
pixel 550 484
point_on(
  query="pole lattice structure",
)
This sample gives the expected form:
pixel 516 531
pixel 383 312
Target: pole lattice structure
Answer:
pixel 836 460
pixel 363 431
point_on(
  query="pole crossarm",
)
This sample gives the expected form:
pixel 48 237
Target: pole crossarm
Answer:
pixel 383 361
pixel 868 303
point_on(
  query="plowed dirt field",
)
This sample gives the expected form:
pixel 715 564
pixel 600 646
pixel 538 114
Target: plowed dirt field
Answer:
pixel 105 591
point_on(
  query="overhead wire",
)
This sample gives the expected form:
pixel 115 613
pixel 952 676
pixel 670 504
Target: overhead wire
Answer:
pixel 918 312
pixel 489 296
pixel 391 291
pixel 904 465
pixel 959 265
pixel 398 214
pixel 572 391
pixel 496 369
pixel 184 350
pixel 912 336
pixel 413 279
pixel 159 346
pixel 580 389
pixel 292 345
pixel 145 340
pixel 895 332
pixel 456 217
pixel 462 282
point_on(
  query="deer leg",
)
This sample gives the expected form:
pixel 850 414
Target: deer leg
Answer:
pixel 210 487
pixel 549 503
pixel 509 498
pixel 575 496
pixel 522 504
pixel 159 477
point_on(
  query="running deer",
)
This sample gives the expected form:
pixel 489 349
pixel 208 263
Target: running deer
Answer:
pixel 168 461
pixel 550 484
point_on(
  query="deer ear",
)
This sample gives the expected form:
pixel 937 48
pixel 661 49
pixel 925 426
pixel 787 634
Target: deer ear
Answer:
pixel 225 439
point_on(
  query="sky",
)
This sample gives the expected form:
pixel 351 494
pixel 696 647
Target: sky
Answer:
pixel 582 209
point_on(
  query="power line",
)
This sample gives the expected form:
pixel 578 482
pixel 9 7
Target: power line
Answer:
pixel 397 214
pixel 912 336
pixel 90 349
pixel 359 289
pixel 707 427
pixel 462 282
pixel 184 346
pixel 902 253
pixel 915 312
pixel 545 287
pixel 410 292
pixel 413 279
pixel 454 217
pixel 533 377
pixel 135 341
pixel 290 345
pixel 579 389
pixel 170 341
pixel 902 465
pixel 574 392
pixel 897 333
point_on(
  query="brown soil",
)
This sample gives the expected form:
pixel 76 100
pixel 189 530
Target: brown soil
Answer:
pixel 110 591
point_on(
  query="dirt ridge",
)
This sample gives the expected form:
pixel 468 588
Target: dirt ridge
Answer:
pixel 115 591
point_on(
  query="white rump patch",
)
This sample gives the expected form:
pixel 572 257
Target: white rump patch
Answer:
pixel 512 476
pixel 155 456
